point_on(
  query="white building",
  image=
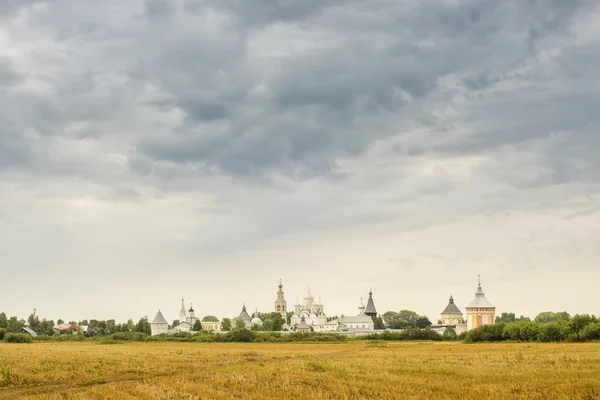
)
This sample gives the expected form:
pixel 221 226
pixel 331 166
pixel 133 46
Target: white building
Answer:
pixel 360 322
pixel 312 312
pixel 159 324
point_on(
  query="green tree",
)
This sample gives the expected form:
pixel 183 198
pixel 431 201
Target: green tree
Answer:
pixel 422 322
pixel 197 326
pixel 549 316
pixel 33 322
pixel 240 324
pixel 3 321
pixel 271 321
pixel 404 319
pixel 390 318
pixel 175 323
pixel 580 321
pixel 210 318
pixel 143 326
pixel 14 324
pixel 449 334
pixel 379 324
pixel 110 326
pixel 226 324
pixel 506 317
pixel 556 331
pixel 60 321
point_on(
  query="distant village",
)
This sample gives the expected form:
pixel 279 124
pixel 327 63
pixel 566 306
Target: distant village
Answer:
pixel 309 316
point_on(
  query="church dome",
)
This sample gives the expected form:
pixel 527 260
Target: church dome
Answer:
pixel 256 320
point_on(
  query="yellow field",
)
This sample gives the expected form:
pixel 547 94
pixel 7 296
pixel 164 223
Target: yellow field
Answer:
pixel 387 370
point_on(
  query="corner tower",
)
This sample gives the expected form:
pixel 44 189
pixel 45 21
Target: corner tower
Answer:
pixel 280 303
pixel 451 314
pixel 370 310
pixel 480 311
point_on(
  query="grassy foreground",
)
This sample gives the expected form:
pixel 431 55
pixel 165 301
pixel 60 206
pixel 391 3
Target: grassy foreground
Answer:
pixel 382 370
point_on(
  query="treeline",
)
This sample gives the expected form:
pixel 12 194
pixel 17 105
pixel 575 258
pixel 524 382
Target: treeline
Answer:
pixel 95 327
pixel 564 328
pixel 242 335
pixel 412 334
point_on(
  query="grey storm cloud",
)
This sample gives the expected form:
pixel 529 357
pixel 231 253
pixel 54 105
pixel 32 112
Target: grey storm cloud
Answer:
pixel 348 75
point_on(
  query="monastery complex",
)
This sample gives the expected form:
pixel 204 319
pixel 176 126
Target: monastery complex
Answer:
pixel 309 315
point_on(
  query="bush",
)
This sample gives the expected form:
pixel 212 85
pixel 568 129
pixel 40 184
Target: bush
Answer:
pixel 238 335
pixel 590 332
pixel 486 333
pixel 553 332
pixel 2 333
pixel 449 334
pixel 17 338
pixel 529 331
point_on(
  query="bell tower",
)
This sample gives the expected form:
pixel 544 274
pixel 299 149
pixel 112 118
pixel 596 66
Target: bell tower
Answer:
pixel 280 303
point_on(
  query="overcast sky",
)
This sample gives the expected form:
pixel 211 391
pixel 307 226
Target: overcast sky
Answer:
pixel 156 149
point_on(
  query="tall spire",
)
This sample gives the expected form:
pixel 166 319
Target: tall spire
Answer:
pixel 182 313
pixel 479 282
pixel 280 283
pixel 370 310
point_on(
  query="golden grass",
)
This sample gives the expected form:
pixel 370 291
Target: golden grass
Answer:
pixel 358 370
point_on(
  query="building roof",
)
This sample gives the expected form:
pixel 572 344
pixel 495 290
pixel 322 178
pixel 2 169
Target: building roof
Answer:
pixel 451 308
pixel 159 319
pixel 356 320
pixel 244 314
pixel 370 305
pixel 302 324
pixel 28 331
pixel 480 301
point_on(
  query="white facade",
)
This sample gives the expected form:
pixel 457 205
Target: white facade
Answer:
pixel 159 325
pixel 211 326
pixel 480 311
pixel 312 312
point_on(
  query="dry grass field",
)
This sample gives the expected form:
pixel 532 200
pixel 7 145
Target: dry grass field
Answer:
pixel 386 370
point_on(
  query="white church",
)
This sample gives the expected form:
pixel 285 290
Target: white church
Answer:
pixel 187 320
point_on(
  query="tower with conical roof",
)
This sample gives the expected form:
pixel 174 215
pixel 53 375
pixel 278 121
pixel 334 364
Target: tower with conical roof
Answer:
pixel 480 311
pixel 280 303
pixel 370 310
pixel 451 314
pixel 159 324
pixel 244 316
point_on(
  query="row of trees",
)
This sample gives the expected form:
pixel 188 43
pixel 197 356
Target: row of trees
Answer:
pixel 549 327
